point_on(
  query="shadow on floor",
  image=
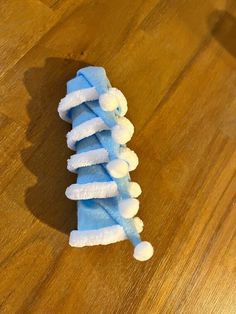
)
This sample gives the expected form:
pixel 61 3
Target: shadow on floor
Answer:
pixel 223 28
pixel 47 155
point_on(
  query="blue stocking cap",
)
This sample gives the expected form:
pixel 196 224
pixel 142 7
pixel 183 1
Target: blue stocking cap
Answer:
pixel 106 197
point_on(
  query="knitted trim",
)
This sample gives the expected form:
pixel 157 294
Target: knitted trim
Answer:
pixel 92 190
pixel 92 157
pixel 102 236
pixel 84 130
pixel 74 99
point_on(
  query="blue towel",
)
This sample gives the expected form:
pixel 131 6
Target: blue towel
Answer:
pixel 105 195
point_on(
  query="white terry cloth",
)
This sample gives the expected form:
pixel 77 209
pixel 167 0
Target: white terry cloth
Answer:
pixel 102 236
pixel 92 157
pixel 92 190
pixel 74 99
pixel 84 130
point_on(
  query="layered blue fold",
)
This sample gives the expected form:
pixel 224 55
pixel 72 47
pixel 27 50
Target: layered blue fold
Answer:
pixel 98 213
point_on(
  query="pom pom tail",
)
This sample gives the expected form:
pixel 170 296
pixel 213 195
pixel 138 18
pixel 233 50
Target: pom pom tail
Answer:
pixel 143 251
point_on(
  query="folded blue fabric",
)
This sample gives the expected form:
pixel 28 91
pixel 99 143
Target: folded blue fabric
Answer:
pixel 106 197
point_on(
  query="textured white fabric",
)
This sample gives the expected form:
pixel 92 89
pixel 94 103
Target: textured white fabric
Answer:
pixel 123 131
pixel 84 130
pixel 108 102
pixel 122 102
pixel 143 251
pixel 92 190
pixel 118 168
pixel 126 123
pixel 130 157
pixel 134 189
pixel 74 99
pixel 102 236
pixel 92 157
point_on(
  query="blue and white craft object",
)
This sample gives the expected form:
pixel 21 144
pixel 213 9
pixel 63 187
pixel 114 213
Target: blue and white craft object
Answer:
pixel 106 197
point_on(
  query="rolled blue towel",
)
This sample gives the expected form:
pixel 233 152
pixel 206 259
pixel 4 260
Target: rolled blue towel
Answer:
pixel 106 197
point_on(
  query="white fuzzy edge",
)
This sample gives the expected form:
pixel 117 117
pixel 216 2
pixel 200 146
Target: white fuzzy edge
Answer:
pixel 92 157
pixel 84 130
pixel 74 99
pixel 101 236
pixel 91 190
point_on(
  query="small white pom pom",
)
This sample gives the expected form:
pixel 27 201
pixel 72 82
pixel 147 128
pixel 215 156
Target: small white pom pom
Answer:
pixel 138 224
pixel 126 123
pixel 129 207
pixel 143 251
pixel 130 157
pixel 134 189
pixel 122 107
pixel 120 134
pixel 123 131
pixel 118 168
pixel 108 102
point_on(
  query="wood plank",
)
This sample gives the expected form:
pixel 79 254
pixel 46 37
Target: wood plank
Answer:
pixel 19 29
pixel 86 46
pixel 24 23
pixel 193 171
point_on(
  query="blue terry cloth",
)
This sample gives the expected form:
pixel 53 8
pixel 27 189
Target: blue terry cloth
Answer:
pixel 106 197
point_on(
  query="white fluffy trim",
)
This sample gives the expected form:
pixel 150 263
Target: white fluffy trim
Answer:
pixel 84 130
pixel 91 190
pixel 92 157
pixel 102 236
pixel 74 99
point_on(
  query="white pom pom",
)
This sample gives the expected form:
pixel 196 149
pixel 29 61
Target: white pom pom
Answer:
pixel 108 102
pixel 143 251
pixel 122 107
pixel 130 157
pixel 118 168
pixel 134 189
pixel 138 224
pixel 120 134
pixel 126 123
pixel 123 131
pixel 129 207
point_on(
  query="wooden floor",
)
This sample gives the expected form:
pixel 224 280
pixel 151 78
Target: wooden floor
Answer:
pixel 176 63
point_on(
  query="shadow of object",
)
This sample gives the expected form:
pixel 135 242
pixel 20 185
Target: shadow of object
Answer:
pixel 223 28
pixel 46 157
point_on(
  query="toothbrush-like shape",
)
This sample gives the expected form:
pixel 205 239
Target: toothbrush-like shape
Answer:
pixel 106 197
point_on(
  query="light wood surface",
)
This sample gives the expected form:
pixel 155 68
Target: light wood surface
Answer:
pixel 175 62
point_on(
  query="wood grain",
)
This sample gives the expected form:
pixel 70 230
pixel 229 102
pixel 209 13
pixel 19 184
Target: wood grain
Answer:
pixel 176 63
